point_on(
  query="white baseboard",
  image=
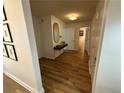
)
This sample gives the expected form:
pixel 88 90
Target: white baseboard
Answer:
pixel 20 82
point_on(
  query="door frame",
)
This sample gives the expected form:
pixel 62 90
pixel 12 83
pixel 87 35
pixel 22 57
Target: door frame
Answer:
pixel 100 45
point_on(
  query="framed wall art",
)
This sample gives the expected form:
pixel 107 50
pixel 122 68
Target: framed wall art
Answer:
pixel 11 52
pixel 5 52
pixel 4 15
pixel 7 37
pixel 81 33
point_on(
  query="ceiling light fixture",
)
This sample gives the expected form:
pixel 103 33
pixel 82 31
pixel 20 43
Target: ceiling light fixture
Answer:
pixel 73 18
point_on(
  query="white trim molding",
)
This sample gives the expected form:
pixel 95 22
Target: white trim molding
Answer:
pixel 20 82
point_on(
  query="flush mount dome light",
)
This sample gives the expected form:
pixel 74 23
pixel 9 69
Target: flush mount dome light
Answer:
pixel 73 18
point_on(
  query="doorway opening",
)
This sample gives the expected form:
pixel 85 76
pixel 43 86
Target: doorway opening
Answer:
pixel 61 42
pixel 82 36
pixel 75 37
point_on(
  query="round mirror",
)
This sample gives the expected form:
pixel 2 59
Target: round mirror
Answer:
pixel 56 32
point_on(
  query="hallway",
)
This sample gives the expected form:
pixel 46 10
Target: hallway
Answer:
pixel 67 74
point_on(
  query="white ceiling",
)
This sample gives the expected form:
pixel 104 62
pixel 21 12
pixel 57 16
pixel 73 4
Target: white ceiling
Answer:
pixel 85 9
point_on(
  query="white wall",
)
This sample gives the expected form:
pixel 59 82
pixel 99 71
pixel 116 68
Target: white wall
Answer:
pixel 108 78
pixel 96 35
pixel 26 70
pixel 61 30
pixel 44 36
pixel 71 34
pixel 32 42
pixel 38 35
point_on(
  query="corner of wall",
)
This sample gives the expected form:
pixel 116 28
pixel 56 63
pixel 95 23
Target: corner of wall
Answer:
pixel 29 88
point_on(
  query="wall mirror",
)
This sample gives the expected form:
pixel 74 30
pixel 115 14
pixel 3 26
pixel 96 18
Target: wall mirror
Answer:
pixel 56 33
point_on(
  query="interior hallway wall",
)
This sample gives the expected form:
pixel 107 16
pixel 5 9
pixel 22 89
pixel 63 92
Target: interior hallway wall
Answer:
pixel 26 70
pixel 95 36
pixel 61 33
pixel 108 78
pixel 61 28
pixel 38 36
pixel 44 36
pixel 71 34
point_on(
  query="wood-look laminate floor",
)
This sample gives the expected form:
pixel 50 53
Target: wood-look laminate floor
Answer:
pixel 10 86
pixel 67 74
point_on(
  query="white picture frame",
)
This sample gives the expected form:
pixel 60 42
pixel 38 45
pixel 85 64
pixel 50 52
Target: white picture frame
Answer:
pixel 5 52
pixel 7 37
pixel 4 15
pixel 11 52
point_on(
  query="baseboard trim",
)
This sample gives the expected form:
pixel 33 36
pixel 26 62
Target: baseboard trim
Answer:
pixel 20 82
